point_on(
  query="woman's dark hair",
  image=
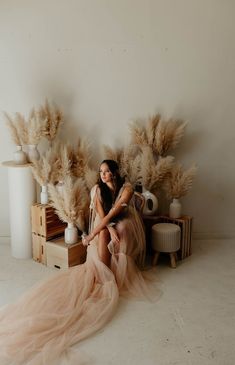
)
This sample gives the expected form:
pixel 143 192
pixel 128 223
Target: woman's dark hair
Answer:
pixel 107 195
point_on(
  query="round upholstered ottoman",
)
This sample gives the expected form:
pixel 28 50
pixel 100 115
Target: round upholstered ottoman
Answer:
pixel 165 238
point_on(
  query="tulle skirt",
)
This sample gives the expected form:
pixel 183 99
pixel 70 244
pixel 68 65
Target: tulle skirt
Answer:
pixel 71 305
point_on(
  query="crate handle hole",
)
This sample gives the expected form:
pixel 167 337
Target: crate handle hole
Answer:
pixel 57 267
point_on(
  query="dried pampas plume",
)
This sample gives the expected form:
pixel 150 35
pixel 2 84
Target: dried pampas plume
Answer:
pixel 179 181
pixel 35 127
pixel 153 173
pixel 42 169
pixel 72 205
pixel 54 119
pixel 168 135
pixel 13 128
pixel 81 157
pixel 62 161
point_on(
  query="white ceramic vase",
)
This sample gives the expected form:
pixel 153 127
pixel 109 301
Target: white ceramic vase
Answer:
pixel 71 234
pixel 44 194
pixel 151 202
pixel 175 210
pixel 33 153
pixel 20 157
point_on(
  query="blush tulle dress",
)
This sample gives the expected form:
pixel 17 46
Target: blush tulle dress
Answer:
pixel 47 320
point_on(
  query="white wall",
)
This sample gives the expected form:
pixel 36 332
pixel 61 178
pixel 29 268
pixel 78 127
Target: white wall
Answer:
pixel 106 62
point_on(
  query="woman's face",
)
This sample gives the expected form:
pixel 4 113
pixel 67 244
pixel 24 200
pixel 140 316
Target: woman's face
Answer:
pixel 105 174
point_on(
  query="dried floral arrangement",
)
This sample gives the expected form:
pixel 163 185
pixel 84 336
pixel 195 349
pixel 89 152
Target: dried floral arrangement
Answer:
pixel 72 205
pixel 26 131
pixel 160 135
pixel 179 181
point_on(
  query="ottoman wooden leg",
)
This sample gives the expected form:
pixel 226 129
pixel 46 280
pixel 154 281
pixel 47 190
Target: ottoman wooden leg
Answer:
pixel 155 258
pixel 173 262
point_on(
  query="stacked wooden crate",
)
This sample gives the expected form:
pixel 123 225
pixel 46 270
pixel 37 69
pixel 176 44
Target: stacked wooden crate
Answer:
pixel 48 243
pixel 45 226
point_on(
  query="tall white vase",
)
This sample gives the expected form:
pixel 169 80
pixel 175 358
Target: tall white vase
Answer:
pixel 33 153
pixel 175 210
pixel 20 157
pixel 71 234
pixel 151 202
pixel 44 194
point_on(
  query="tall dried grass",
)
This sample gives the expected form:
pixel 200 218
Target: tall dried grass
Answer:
pixel 179 181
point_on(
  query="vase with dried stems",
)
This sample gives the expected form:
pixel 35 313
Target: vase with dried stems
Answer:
pixel 19 155
pixel 72 207
pixel 177 185
pixel 44 172
pixel 54 119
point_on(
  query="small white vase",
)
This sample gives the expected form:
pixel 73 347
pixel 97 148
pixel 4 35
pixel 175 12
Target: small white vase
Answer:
pixel 151 202
pixel 33 153
pixel 175 209
pixel 71 234
pixel 20 157
pixel 44 194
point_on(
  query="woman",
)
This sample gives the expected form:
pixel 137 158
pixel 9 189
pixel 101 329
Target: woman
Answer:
pixel 68 307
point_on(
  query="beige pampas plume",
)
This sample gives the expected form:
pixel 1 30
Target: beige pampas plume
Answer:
pixel 138 134
pixel 54 119
pixel 112 154
pixel 179 181
pixel 81 157
pixel 42 169
pixel 90 177
pixel 168 135
pixel 35 127
pixel 72 205
pixel 22 128
pixel 63 162
pixel 151 129
pixel 12 125
pixel 153 173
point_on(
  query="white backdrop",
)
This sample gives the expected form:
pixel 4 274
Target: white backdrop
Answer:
pixel 106 62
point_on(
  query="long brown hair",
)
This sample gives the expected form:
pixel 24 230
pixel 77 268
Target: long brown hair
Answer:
pixel 106 194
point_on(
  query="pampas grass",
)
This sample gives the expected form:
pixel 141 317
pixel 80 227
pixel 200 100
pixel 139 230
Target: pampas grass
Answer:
pixel 43 168
pixel 153 173
pixel 62 161
pixel 160 135
pixel 72 206
pixel 26 132
pixel 13 128
pixel 54 119
pixel 179 181
pixel 168 135
pixel 81 157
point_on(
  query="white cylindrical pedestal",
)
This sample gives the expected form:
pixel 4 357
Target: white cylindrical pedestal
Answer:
pixel 22 194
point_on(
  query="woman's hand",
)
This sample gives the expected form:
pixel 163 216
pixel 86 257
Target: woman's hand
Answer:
pixel 113 235
pixel 86 239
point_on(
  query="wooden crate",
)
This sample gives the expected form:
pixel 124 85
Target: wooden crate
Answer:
pixel 39 248
pixel 62 256
pixel 45 222
pixel 186 226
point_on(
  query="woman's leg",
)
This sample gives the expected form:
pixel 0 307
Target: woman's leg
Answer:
pixel 104 254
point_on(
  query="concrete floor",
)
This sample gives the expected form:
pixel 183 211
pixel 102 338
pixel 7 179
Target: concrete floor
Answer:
pixel 193 322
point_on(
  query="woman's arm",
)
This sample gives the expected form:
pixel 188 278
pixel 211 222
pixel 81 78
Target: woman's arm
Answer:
pixel 114 211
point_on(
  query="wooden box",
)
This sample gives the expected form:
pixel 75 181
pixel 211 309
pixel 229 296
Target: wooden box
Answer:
pixel 39 248
pixel 62 256
pixel 185 223
pixel 45 222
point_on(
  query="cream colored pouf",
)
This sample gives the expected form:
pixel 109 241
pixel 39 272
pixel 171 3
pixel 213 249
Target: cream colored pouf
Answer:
pixel 166 238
